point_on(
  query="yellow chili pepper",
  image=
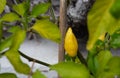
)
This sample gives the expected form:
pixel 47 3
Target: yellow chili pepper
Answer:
pixel 71 45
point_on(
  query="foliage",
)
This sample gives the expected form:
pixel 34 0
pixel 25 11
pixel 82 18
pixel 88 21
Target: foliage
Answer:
pixel 104 35
pixel 38 74
pixel 6 75
pixel 2 5
pixel 22 14
pixel 47 30
pixel 71 70
pixel 98 22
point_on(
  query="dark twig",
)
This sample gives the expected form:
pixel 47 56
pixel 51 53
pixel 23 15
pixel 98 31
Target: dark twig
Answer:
pixel 52 12
pixel 31 69
pixel 82 59
pixel 31 59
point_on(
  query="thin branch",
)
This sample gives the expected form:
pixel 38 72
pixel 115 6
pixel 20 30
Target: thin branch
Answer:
pixel 52 12
pixel 31 59
pixel 81 58
pixel 31 69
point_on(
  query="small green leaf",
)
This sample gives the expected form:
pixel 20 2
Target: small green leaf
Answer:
pixel 100 21
pixel 40 9
pixel 2 5
pixel 115 40
pixel 115 9
pixel 38 74
pixel 71 70
pixel 10 17
pixel 6 75
pixel 102 59
pixel 47 30
pixel 6 43
pixel 20 8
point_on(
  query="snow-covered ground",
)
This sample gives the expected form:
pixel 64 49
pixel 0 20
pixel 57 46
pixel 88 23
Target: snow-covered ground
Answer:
pixel 43 50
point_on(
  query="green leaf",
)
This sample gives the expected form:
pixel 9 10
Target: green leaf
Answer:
pixel 13 55
pixel 115 40
pixel 47 30
pixel 38 74
pixel 40 9
pixel 114 65
pixel 115 9
pixel 100 21
pixel 20 8
pixel 10 17
pixel 91 64
pixel 71 70
pixel 6 75
pixel 112 69
pixel 108 74
pixel 102 59
pixel 6 43
pixel 2 5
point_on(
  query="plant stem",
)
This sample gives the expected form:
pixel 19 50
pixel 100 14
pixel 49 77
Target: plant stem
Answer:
pixel 107 41
pixel 52 12
pixel 31 69
pixel 81 58
pixel 31 59
pixel 63 21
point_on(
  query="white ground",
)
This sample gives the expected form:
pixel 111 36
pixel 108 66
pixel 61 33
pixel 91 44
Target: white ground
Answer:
pixel 42 49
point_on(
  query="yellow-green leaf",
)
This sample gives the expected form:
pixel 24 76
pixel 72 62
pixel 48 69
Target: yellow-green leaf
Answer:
pixel 71 70
pixel 14 58
pixel 10 17
pixel 100 21
pixel 20 8
pixel 2 5
pixel 112 69
pixel 13 55
pixel 102 58
pixel 6 75
pixel 18 38
pixel 47 30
